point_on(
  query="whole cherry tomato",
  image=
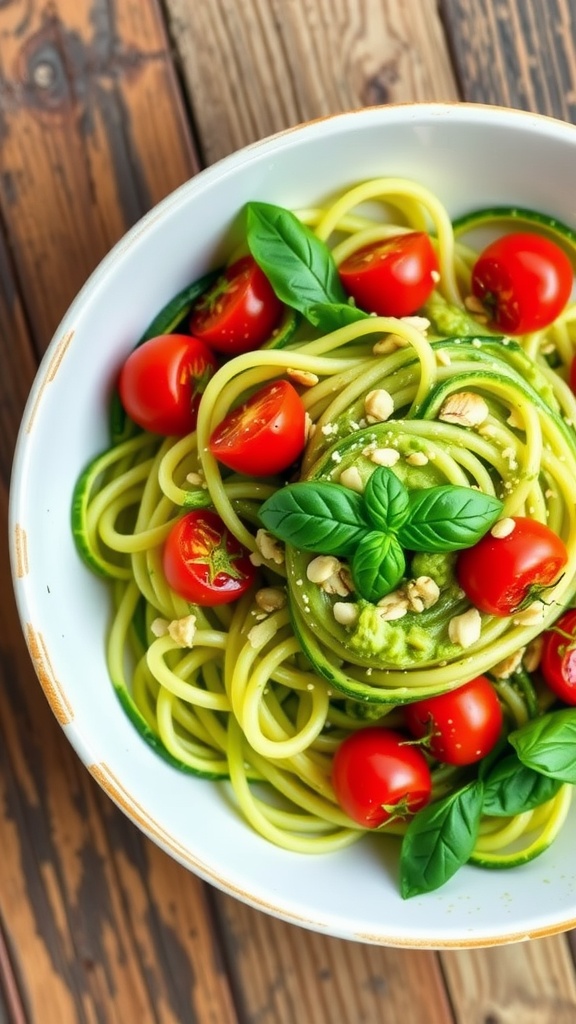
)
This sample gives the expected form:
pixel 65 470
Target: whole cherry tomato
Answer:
pixel 162 381
pixel 239 312
pixel 460 726
pixel 265 434
pixel 500 574
pixel 378 775
pixel 203 562
pixel 558 658
pixel 393 277
pixel 523 281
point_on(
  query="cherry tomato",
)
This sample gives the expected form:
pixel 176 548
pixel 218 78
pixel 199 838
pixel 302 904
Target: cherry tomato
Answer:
pixel 162 381
pixel 461 726
pixel 393 277
pixel 239 312
pixel 203 562
pixel 265 434
pixel 523 281
pixel 377 775
pixel 499 574
pixel 558 659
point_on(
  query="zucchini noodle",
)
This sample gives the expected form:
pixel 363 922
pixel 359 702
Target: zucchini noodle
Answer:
pixel 262 696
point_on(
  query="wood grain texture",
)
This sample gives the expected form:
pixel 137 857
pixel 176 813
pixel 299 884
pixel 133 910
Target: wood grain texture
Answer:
pixel 525 983
pixel 97 925
pixel 89 110
pixel 514 53
pixel 254 68
pixel 298 976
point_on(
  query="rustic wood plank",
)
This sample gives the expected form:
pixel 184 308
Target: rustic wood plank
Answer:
pixel 254 68
pixel 515 53
pixel 98 925
pixel 289 975
pixel 93 134
pixel 529 982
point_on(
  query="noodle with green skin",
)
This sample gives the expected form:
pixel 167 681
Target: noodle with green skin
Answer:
pixel 263 696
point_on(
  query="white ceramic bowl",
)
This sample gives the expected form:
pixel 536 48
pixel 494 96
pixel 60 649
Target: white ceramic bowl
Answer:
pixel 471 156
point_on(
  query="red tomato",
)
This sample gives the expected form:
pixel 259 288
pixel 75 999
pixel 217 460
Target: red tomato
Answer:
pixel 239 312
pixel 393 277
pixel 523 281
pixel 558 660
pixel 499 574
pixel 203 561
pixel 377 775
pixel 162 382
pixel 265 434
pixel 461 726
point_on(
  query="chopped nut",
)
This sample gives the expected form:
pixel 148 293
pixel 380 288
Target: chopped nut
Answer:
pixel 378 405
pixel 345 613
pixel 322 568
pixel 417 459
pixel 382 456
pixel 464 629
pixel 351 478
pixel 515 420
pixel 507 666
pixel 183 630
pixel 196 479
pixel 473 304
pixel 260 635
pixel 159 627
pixel 503 528
pixel 533 654
pixel 309 426
pixel 270 599
pixel 394 341
pixel 464 408
pixel 304 377
pixel 269 549
pixel 393 606
pixel 531 615
pixel 423 590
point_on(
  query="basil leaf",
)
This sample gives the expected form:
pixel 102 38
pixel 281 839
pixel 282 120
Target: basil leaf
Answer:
pixel 511 788
pixel 330 316
pixel 548 744
pixel 439 840
pixel 322 517
pixel 299 266
pixel 448 518
pixel 386 499
pixel 378 565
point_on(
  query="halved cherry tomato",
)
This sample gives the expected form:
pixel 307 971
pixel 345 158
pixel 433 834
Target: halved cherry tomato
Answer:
pixel 558 658
pixel 162 381
pixel 501 574
pixel 378 775
pixel 204 562
pixel 460 726
pixel 265 434
pixel 523 281
pixel 393 277
pixel 239 312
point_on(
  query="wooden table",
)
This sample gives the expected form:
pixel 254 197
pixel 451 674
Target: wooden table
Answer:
pixel 105 107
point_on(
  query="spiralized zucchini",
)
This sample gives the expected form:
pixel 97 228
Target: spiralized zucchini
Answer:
pixel 263 698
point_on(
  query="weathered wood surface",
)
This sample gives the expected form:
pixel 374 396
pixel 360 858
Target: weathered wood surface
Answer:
pixel 106 106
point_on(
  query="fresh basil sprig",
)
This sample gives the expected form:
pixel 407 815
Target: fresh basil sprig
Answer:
pixel 374 527
pixel 439 840
pixel 299 266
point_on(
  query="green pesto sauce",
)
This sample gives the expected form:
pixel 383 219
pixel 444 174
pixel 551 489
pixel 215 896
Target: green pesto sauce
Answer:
pixel 418 637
